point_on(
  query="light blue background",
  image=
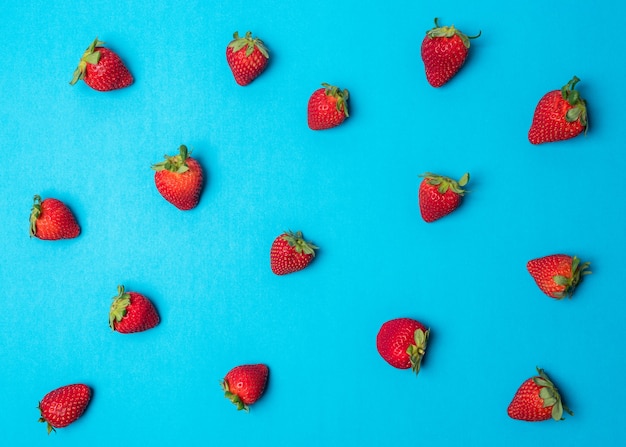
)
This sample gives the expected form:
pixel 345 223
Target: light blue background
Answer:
pixel 352 190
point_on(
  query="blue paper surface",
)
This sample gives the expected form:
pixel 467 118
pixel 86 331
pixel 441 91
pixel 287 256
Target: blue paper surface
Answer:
pixel 352 190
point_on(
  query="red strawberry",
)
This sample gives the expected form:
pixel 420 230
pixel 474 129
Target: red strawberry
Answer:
pixel 290 253
pixel 132 312
pixel 60 407
pixel 557 275
pixel 402 343
pixel 444 50
pixel 559 115
pixel 249 64
pixel 244 385
pixel 328 107
pixel 102 69
pixel 51 219
pixel 537 399
pixel 179 179
pixel 439 195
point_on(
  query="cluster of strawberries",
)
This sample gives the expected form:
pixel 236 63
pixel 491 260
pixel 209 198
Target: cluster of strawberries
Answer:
pixel 402 342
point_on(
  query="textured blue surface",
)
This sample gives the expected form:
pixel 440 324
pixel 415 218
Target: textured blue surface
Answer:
pixel 352 190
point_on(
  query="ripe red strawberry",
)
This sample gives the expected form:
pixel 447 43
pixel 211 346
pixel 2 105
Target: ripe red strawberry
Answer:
pixel 537 399
pixel 558 275
pixel 51 219
pixel 439 195
pixel 132 312
pixel 60 407
pixel 559 115
pixel 102 69
pixel 179 179
pixel 290 253
pixel 244 385
pixel 328 107
pixel 444 50
pixel 249 64
pixel 402 343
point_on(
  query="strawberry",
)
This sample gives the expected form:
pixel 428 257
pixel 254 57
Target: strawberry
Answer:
pixel 402 343
pixel 439 195
pixel 245 384
pixel 249 64
pixel 179 179
pixel 51 219
pixel 537 399
pixel 444 50
pixel 102 69
pixel 328 107
pixel 132 312
pixel 557 275
pixel 290 253
pixel 60 407
pixel 559 115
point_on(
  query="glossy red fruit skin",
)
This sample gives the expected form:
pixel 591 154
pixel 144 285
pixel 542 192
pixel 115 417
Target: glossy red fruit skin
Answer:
pixel 182 190
pixel 246 68
pixel 141 315
pixel 443 57
pixel 322 111
pixel 247 383
pixel 549 123
pixel 109 73
pixel 285 258
pixel 527 405
pixel 51 219
pixel 64 405
pixel 394 338
pixel 433 204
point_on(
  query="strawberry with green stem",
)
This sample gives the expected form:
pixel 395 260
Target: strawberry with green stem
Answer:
pixel 402 342
pixel 558 275
pixel 132 312
pixel 327 107
pixel 51 219
pixel 63 406
pixel 245 384
pixel 247 58
pixel 438 195
pixel 290 252
pixel 537 399
pixel 102 69
pixel 179 179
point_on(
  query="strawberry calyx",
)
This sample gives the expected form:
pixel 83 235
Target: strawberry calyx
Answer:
pixel 340 95
pixel 235 399
pixel 90 56
pixel 34 214
pixel 416 351
pixel 247 42
pixel 296 240
pixel 550 395
pixel 446 183
pixel 176 163
pixel 578 271
pixel 118 307
pixel 450 31
pixel 42 419
pixel 578 112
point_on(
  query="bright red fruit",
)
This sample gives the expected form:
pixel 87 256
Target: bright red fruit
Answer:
pixel 290 253
pixel 438 196
pixel 328 107
pixel 558 275
pixel 537 399
pixel 179 179
pixel 51 219
pixel 444 51
pixel 60 407
pixel 102 69
pixel 245 384
pixel 402 343
pixel 132 312
pixel 246 57
pixel 559 115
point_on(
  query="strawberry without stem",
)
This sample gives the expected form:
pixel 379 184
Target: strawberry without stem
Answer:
pixel 438 196
pixel 290 253
pixel 444 51
pixel 558 275
pixel 179 179
pixel 402 343
pixel 102 69
pixel 51 219
pixel 559 115
pixel 246 57
pixel 537 399
pixel 328 107
pixel 132 312
pixel 60 407
pixel 245 384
